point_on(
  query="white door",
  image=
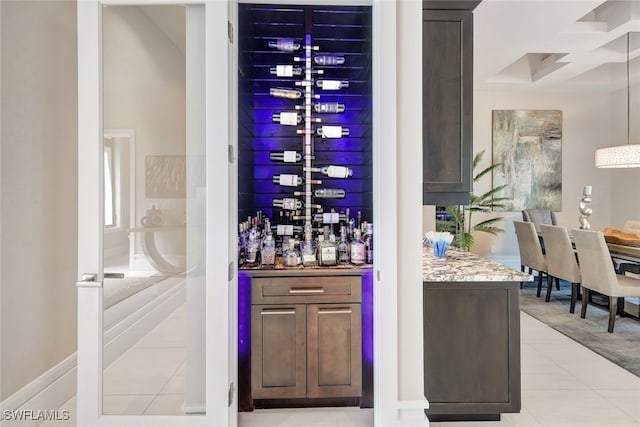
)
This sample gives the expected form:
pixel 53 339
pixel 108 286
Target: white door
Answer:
pixel 172 251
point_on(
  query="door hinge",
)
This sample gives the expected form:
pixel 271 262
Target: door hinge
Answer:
pixel 230 271
pixel 232 390
pixel 231 157
pixel 230 31
pixel 378 274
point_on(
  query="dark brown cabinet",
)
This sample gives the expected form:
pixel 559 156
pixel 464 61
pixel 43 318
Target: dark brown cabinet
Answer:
pixel 471 350
pixel 447 101
pixel 306 337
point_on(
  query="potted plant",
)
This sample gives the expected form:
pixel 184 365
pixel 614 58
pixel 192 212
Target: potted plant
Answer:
pixel 462 214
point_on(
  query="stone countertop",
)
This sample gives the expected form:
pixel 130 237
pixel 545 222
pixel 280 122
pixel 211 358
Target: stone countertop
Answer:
pixel 460 266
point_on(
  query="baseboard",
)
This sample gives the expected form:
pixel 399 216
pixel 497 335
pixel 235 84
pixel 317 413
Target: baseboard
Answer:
pixel 411 413
pixel 194 409
pixel 122 335
pixel 46 393
pixel 56 386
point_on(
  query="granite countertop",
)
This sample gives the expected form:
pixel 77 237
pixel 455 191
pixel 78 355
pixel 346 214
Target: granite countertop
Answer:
pixel 460 266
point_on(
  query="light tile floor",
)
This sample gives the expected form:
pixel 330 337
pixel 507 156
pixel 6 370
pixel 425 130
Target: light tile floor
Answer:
pixel 563 385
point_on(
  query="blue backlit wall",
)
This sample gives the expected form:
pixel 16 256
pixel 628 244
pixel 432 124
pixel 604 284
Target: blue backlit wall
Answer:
pixel 344 31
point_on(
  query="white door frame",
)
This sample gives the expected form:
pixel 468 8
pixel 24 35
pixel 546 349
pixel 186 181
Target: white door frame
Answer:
pixel 90 221
pixel 387 407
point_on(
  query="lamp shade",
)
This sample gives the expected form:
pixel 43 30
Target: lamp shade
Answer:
pixel 619 156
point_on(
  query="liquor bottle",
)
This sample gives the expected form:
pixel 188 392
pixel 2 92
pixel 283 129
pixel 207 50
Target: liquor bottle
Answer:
pixel 253 246
pixel 368 243
pixel 287 118
pixel 333 171
pixel 332 131
pixel 308 249
pixel 241 245
pixel 291 255
pixel 282 92
pixel 328 107
pixel 286 70
pixel 357 249
pixel 329 193
pixel 343 247
pixel 288 180
pixel 331 84
pixel 287 203
pixel 359 223
pixel 285 156
pixel 285 45
pixel 268 249
pixel 328 60
pixel 327 250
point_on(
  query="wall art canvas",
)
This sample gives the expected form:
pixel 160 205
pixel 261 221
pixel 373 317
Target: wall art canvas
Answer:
pixel 528 144
pixel 165 177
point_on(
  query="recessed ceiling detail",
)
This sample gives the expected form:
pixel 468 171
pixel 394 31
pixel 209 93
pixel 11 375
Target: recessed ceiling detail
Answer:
pixel 561 45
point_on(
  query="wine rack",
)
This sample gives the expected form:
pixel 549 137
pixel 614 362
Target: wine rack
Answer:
pixel 305 94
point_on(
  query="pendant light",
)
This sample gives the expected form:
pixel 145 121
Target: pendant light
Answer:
pixel 621 156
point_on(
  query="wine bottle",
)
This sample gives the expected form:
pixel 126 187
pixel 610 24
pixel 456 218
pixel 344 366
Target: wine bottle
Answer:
pixel 332 131
pixel 332 84
pixel 286 229
pixel 285 45
pixel 328 107
pixel 329 193
pixel 328 60
pixel 281 92
pixel 287 118
pixel 285 156
pixel 286 70
pixel 287 203
pixel 288 180
pixel 333 171
pixel 329 217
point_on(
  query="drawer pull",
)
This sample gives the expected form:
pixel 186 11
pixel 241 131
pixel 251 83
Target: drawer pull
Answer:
pixel 306 290
pixel 338 311
pixel 270 312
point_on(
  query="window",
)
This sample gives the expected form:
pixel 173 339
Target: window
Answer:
pixel 110 217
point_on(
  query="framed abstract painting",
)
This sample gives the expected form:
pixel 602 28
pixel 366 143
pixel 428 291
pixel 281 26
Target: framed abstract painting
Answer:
pixel 528 146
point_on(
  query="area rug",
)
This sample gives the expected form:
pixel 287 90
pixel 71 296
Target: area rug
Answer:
pixel 622 347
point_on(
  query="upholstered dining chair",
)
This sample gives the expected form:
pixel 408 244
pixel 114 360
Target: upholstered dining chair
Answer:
pixel 561 260
pixel 598 273
pixel 530 250
pixel 538 217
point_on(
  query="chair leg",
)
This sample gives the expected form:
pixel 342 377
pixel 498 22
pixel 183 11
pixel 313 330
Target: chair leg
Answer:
pixel 574 296
pixel 522 283
pixel 557 283
pixel 547 297
pixel 530 270
pixel 539 284
pixel 613 307
pixel 585 301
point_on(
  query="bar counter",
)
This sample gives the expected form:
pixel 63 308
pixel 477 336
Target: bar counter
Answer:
pixel 461 266
pixel 471 336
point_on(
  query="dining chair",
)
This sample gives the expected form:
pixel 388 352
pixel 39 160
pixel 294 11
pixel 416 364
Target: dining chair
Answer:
pixel 561 261
pixel 598 273
pixel 530 250
pixel 539 217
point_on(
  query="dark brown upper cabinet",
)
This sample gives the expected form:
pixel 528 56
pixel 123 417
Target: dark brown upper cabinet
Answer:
pixel 447 101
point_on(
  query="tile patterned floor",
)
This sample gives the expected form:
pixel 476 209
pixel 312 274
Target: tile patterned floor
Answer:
pixel 563 385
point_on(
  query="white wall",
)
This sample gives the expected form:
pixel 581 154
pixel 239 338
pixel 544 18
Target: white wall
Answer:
pixel 39 189
pixel 409 141
pixel 585 126
pixel 144 90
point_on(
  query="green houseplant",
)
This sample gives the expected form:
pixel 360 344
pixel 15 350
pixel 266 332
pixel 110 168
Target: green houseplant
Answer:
pixel 483 203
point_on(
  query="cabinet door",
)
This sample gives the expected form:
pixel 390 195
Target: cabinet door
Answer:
pixel 334 350
pixel 278 347
pixel 447 85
